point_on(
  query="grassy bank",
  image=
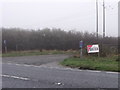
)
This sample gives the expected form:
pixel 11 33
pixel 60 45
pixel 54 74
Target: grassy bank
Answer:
pixel 109 63
pixel 36 52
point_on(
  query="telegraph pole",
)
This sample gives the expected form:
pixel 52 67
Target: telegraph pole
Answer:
pixel 103 19
pixel 103 27
pixel 97 19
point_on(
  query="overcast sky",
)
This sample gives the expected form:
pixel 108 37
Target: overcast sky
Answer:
pixel 79 15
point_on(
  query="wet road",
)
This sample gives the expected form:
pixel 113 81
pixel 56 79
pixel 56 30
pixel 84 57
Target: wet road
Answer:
pixel 25 74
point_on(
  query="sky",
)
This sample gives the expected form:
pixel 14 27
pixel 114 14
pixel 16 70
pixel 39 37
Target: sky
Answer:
pixel 75 15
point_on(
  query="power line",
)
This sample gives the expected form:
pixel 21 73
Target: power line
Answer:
pixel 110 6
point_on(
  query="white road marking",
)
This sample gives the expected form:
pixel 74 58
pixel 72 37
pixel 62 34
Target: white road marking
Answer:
pixel 28 65
pixel 18 64
pixel 16 77
pixel 112 72
pixel 61 68
pixel 4 75
pixel 37 66
pixel 93 71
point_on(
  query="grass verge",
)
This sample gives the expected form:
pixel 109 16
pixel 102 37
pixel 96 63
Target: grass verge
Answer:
pixel 93 63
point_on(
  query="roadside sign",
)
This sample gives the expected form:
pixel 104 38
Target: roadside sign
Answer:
pixel 5 42
pixel 5 45
pixel 93 48
pixel 81 44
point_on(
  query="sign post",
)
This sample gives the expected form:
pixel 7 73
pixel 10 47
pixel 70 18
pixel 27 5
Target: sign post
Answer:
pixel 5 46
pixel 81 46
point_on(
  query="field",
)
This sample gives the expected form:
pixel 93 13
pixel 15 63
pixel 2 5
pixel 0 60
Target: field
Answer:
pixel 109 63
pixel 37 52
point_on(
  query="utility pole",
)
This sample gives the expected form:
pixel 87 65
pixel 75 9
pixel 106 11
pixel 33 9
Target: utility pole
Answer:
pixel 97 19
pixel 103 27
pixel 103 19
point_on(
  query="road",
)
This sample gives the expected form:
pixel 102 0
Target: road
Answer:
pixel 35 60
pixel 44 73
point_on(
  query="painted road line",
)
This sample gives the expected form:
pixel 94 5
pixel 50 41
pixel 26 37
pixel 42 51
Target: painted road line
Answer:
pixel 18 64
pixel 4 75
pixel 112 72
pixel 63 68
pixel 16 77
pixel 27 65
pixel 23 65
pixel 93 71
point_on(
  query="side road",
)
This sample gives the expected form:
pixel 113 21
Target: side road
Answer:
pixel 35 60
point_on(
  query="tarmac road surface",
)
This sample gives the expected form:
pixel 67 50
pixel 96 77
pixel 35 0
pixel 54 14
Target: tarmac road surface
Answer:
pixel 17 72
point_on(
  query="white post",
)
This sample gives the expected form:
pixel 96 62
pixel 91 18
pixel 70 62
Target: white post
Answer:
pixel 5 49
pixel 81 54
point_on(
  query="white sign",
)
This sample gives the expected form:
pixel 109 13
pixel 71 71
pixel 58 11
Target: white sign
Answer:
pixel 93 48
pixel 5 42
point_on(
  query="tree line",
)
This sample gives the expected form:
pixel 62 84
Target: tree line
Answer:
pixel 51 39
